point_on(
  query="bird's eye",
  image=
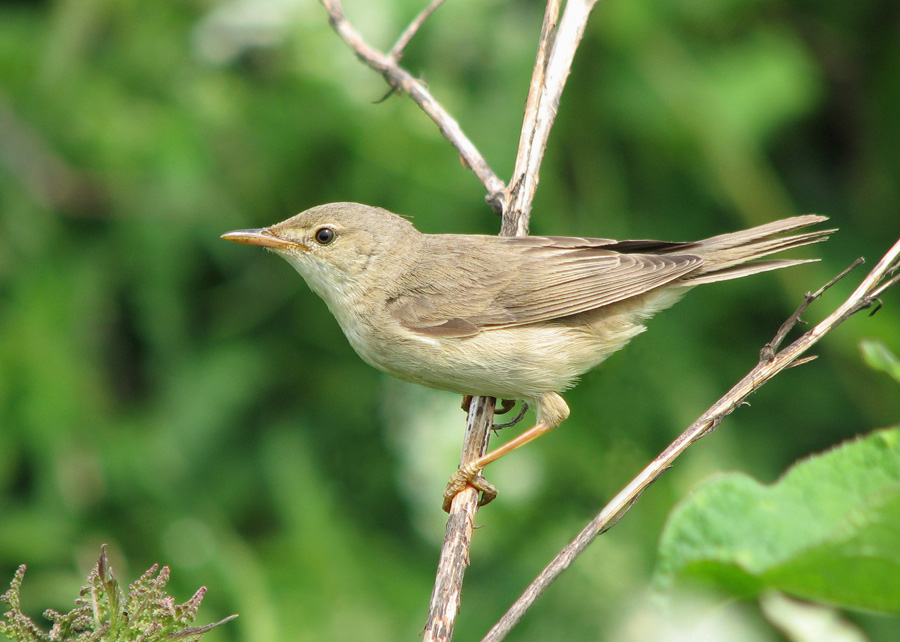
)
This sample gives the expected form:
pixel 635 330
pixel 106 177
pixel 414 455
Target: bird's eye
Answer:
pixel 324 235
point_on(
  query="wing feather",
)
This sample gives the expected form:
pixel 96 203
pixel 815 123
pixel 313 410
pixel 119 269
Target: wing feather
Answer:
pixel 515 281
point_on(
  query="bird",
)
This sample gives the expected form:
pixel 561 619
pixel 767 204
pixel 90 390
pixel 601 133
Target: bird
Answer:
pixel 515 318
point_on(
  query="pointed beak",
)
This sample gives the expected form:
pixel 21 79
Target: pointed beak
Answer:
pixel 262 237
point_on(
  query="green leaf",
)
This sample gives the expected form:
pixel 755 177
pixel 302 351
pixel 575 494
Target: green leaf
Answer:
pixel 877 355
pixel 828 530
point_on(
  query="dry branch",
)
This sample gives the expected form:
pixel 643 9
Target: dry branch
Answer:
pixel 396 52
pixel 554 60
pixel 400 79
pixel 445 597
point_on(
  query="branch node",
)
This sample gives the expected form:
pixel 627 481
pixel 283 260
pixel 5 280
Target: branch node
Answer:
pixel 709 429
pixel 497 202
pixel 768 352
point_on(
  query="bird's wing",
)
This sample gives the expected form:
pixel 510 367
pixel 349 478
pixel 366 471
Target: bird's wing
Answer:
pixel 538 279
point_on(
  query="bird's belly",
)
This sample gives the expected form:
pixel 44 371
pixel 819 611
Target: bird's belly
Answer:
pixel 514 362
pixel 511 363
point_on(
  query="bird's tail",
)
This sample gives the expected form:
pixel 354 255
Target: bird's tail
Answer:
pixel 730 256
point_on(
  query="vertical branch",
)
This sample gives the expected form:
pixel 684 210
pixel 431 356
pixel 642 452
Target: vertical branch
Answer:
pixel 556 49
pixel 446 595
pixel 543 102
pixel 515 217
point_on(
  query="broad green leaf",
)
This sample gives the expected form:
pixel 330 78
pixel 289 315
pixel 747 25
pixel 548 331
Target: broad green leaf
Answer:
pixel 828 530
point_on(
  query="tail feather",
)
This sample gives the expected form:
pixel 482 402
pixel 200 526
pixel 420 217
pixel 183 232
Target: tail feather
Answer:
pixel 730 256
pixel 743 237
pixel 738 271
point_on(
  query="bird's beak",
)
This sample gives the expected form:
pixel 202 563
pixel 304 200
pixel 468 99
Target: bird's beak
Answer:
pixel 263 237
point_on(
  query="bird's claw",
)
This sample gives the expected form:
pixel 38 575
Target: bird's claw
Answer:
pixel 514 421
pixel 467 476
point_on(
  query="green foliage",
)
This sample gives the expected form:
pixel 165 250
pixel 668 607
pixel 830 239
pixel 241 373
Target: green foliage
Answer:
pixel 826 531
pixel 104 613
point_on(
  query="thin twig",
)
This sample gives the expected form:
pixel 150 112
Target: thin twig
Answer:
pixel 399 78
pixel 539 120
pixel 768 351
pixel 396 52
pixel 517 222
pixel 887 284
pixel 863 297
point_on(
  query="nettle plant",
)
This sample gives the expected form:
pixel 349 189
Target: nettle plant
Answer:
pixel 103 612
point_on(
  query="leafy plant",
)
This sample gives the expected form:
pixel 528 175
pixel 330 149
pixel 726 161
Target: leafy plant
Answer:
pixel 826 531
pixel 103 613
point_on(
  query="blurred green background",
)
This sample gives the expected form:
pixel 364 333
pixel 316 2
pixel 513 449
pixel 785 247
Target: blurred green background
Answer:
pixel 190 402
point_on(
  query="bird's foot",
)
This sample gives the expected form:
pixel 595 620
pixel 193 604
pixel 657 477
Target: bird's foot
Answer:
pixel 468 476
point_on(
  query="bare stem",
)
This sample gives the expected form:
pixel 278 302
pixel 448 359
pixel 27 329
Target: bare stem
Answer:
pixel 875 283
pixel 396 51
pixel 768 351
pixel 399 78
pixel 517 223
pixel 454 558
pixel 554 61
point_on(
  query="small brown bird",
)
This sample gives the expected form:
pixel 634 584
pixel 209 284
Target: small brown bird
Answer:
pixel 511 318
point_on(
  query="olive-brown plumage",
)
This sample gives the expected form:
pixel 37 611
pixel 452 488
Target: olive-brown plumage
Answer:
pixel 513 318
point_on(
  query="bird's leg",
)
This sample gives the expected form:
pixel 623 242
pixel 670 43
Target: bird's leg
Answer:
pixel 551 411
pixel 471 473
